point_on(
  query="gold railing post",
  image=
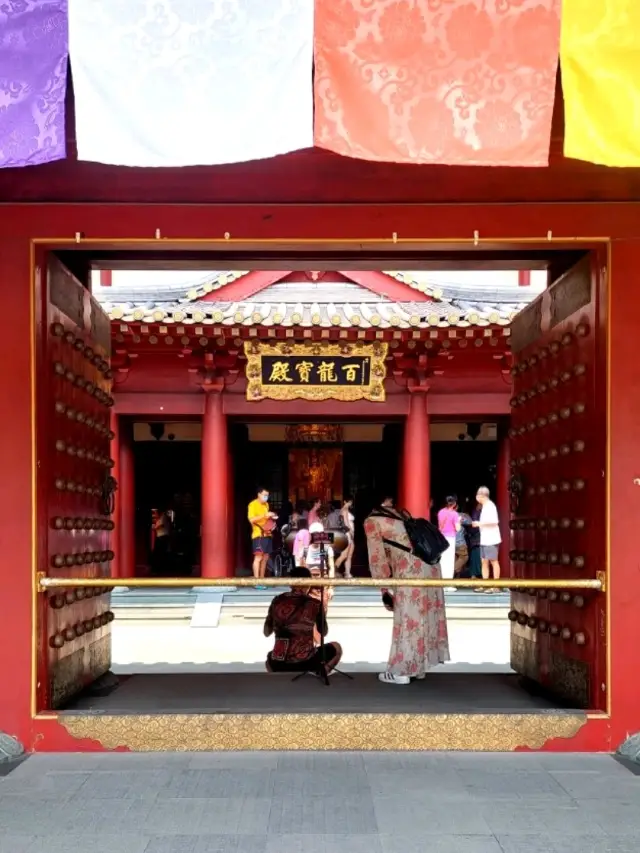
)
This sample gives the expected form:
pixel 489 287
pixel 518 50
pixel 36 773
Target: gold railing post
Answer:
pixel 513 584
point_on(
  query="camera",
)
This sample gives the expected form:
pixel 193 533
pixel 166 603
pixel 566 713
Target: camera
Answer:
pixel 323 537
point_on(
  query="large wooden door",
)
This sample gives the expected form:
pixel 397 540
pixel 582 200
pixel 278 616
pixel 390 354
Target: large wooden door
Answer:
pixel 558 485
pixel 75 488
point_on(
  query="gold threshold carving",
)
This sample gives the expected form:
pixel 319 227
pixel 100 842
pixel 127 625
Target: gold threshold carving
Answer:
pixel 323 732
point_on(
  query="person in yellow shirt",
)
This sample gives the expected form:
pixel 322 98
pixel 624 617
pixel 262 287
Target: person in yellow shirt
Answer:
pixel 262 524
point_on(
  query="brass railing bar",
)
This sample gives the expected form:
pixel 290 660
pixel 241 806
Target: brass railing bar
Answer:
pixel 390 583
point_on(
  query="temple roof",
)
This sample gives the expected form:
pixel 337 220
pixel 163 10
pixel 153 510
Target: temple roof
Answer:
pixel 332 301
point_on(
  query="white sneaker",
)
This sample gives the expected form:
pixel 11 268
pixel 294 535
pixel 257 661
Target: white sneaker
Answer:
pixel 390 678
pixel 421 676
pixel 451 589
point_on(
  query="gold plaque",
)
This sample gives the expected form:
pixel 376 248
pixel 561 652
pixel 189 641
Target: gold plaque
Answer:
pixel 315 371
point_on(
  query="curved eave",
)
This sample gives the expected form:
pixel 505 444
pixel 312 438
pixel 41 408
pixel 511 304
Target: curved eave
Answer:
pixel 213 284
pixel 224 278
pixel 351 316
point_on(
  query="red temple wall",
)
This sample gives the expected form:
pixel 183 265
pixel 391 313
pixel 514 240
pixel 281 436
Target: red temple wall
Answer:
pixel 189 405
pixel 20 223
pixel 16 494
pixel 163 385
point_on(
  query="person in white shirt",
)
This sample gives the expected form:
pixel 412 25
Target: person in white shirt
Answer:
pixel 317 557
pixel 490 537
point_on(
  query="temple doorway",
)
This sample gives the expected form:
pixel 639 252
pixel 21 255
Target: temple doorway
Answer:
pixel 298 463
pixel 167 479
pixel 464 456
pixel 303 462
pixel 554 637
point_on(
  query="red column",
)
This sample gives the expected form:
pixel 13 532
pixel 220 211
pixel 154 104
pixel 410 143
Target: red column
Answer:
pixel 416 473
pixel 503 474
pixel 214 560
pixel 127 502
pixel 114 538
pixel 231 515
pixel 400 501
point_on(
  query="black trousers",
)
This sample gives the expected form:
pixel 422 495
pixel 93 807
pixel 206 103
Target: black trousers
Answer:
pixel 161 557
pixel 310 664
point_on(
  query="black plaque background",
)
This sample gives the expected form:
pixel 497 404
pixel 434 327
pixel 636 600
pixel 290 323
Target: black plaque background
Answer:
pixel 364 373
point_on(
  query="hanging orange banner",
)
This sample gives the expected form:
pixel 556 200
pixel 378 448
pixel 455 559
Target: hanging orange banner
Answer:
pixel 435 81
pixel 600 63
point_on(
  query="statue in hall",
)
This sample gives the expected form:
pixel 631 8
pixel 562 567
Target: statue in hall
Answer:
pixel 317 476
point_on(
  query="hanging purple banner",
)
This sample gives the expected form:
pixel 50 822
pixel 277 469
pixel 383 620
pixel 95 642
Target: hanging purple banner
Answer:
pixel 34 50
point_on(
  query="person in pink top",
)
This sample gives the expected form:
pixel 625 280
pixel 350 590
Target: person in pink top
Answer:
pixel 314 512
pixel 449 524
pixel 301 541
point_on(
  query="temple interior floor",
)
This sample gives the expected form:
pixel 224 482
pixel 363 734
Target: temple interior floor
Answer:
pixel 261 693
pixel 173 658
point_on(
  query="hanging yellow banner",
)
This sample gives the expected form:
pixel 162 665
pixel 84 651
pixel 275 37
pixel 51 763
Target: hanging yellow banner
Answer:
pixel 600 64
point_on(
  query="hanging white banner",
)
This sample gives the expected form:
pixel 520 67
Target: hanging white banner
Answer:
pixel 191 82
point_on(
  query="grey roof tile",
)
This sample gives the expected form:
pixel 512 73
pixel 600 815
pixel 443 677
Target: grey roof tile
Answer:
pixel 324 305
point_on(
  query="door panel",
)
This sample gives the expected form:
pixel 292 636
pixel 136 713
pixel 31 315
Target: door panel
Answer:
pixel 558 462
pixel 75 486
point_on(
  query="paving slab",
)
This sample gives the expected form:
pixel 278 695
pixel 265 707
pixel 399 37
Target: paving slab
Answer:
pixel 312 802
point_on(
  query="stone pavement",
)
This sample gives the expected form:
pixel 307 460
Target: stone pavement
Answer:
pixel 320 803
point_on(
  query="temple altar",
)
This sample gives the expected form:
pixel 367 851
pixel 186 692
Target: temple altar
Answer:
pixel 315 473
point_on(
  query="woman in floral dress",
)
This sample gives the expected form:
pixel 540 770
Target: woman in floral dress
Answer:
pixel 419 639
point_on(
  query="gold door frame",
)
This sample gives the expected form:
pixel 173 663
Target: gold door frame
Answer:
pixel 425 731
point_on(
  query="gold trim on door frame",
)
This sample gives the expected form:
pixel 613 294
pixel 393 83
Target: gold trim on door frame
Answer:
pixel 542 241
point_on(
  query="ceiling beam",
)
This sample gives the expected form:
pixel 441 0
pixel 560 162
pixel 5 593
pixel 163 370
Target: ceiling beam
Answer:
pixel 410 257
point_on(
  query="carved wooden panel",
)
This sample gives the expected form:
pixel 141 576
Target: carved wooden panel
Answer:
pixel 74 490
pixel 525 327
pixel 558 460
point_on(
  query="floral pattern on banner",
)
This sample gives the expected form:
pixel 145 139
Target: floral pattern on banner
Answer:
pixel 455 82
pixel 419 639
pixel 191 82
pixel 34 50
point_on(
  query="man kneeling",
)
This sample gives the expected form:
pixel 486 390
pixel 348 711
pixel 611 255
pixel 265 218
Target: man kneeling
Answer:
pixel 297 619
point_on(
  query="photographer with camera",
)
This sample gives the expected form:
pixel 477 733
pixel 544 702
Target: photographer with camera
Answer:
pixel 299 622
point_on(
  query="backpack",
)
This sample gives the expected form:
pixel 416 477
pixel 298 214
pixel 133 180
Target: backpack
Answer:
pixel 427 542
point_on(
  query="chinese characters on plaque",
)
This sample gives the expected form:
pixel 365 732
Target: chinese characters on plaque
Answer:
pixel 315 371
